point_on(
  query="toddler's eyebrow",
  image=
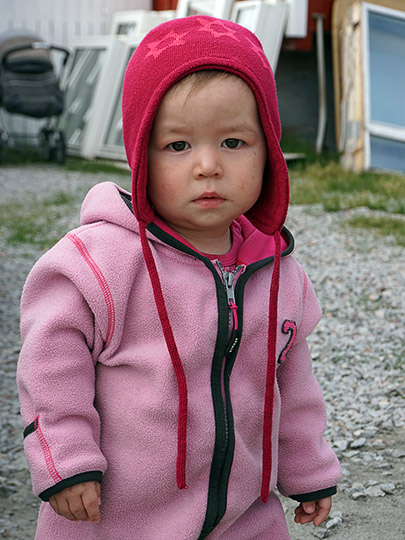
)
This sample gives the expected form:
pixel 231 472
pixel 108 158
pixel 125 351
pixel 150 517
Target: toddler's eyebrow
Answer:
pixel 177 129
pixel 242 127
pixel 174 129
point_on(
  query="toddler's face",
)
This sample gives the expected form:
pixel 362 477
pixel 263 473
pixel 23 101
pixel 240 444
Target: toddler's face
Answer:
pixel 207 154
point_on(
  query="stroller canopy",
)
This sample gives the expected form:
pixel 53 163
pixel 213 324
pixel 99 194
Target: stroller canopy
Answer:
pixel 28 84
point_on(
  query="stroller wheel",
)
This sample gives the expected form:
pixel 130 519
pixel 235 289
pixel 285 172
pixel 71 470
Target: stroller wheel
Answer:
pixel 58 151
pixel 53 145
pixel 45 143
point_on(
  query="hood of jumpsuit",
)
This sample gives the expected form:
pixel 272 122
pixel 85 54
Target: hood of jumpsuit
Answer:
pixel 166 55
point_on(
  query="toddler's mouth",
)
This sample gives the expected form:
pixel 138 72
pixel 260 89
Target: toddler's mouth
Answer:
pixel 209 200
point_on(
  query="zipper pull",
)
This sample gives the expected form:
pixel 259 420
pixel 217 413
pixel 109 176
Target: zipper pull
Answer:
pixel 230 293
pixel 229 278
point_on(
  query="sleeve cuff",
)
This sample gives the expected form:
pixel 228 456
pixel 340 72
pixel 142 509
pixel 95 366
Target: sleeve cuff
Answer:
pixel 314 495
pixel 69 482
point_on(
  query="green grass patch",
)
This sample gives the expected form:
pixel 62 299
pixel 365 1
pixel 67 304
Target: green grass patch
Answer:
pixel 296 145
pixel 399 364
pixel 20 157
pixel 31 155
pixel 383 225
pixel 337 189
pixel 95 166
pixel 36 222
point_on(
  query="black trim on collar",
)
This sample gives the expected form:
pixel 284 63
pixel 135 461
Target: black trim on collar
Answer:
pixel 168 239
pixel 126 197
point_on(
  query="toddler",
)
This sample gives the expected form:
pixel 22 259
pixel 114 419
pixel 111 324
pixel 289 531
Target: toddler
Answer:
pixel 165 381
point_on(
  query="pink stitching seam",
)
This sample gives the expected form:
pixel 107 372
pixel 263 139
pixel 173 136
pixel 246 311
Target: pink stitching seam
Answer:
pixel 101 281
pixel 304 288
pixel 47 453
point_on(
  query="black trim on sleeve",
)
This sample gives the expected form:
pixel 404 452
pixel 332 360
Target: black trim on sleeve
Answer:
pixel 69 482
pixel 30 428
pixel 315 495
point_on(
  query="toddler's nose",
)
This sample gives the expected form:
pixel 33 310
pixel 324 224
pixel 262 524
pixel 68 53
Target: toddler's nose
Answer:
pixel 207 164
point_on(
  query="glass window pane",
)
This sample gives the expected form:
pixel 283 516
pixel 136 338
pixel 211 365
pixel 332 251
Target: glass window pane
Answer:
pixel 79 94
pixel 114 132
pixel 247 17
pixel 387 72
pixel 387 154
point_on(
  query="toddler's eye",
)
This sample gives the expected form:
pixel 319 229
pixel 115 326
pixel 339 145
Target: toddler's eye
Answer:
pixel 178 146
pixel 232 143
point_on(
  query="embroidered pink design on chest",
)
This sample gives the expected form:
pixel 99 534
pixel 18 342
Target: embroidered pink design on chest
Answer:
pixel 288 327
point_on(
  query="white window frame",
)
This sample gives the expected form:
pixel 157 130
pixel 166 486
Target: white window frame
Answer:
pixel 220 9
pixel 142 19
pixel 269 24
pixel 373 128
pixel 108 150
pixel 297 22
pixel 103 89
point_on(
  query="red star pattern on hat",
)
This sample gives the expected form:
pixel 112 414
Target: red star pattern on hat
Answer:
pixel 260 53
pixel 156 48
pixel 217 29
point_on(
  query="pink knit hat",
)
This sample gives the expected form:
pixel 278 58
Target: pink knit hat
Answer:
pixel 167 54
pixel 170 52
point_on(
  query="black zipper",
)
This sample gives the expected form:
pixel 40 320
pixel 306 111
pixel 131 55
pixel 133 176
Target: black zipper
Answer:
pixel 225 346
pixel 219 478
pixel 224 424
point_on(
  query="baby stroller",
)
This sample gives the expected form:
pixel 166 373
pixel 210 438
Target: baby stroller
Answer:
pixel 30 87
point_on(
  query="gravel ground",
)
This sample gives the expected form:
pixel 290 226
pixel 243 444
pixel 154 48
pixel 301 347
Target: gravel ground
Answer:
pixel 358 351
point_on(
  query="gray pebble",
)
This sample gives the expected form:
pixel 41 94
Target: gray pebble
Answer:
pixel 374 491
pixel 398 453
pixel 388 488
pixel 321 533
pixel 334 523
pixel 358 443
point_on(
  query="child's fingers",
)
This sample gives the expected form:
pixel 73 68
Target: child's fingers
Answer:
pixel 303 517
pixel 64 509
pixel 316 511
pixel 324 506
pixel 78 503
pixel 305 513
pixel 54 503
pixel 91 503
pixel 309 507
pixel 77 508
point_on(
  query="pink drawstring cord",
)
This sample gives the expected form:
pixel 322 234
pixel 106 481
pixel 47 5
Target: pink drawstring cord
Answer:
pixel 271 373
pixel 174 355
pixel 234 309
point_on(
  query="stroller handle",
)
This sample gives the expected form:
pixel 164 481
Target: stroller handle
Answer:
pixel 37 45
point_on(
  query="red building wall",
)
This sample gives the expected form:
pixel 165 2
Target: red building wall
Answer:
pixel 164 4
pixel 306 44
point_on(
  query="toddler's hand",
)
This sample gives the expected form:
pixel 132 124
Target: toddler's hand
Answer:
pixel 316 511
pixel 78 503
